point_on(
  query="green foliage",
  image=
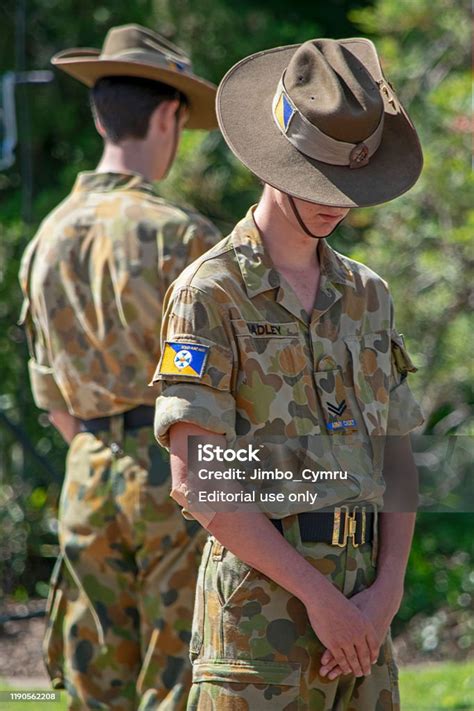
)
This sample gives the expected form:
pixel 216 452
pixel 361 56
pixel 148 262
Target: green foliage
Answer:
pixel 437 687
pixel 420 243
pixel 436 613
pixel 444 543
pixel 32 453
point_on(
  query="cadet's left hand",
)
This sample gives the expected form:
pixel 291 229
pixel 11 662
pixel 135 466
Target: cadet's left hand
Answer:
pixel 380 606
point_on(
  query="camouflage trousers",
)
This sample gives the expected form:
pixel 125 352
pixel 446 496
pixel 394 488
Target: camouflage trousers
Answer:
pixel 122 594
pixel 253 648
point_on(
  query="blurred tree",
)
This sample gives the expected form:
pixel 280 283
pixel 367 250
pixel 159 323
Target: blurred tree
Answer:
pixel 422 245
pixel 422 242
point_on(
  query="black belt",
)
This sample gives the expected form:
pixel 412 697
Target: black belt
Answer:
pixel 335 527
pixel 141 416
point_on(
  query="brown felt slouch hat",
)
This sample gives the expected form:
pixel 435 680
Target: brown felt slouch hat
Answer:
pixel 135 51
pixel 319 121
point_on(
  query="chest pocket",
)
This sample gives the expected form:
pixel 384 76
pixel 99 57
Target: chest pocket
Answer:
pixel 370 363
pixel 274 389
pixel 337 410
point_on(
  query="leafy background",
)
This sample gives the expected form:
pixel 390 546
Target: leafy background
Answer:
pixel 421 243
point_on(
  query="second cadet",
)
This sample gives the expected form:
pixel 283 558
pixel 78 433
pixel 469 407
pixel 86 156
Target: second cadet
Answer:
pixel 94 279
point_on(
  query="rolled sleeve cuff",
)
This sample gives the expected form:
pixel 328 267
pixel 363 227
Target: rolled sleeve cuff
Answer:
pixel 199 405
pixel 46 393
pixel 181 494
pixel 405 414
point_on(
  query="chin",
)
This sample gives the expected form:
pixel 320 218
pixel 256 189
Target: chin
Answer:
pixel 322 232
pixel 326 230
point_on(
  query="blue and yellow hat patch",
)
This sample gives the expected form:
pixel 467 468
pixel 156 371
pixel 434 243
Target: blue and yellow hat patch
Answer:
pixel 177 66
pixel 183 359
pixel 283 111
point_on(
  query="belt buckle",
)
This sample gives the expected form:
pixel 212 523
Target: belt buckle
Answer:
pixel 350 526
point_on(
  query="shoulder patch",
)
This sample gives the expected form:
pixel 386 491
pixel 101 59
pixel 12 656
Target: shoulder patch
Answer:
pixel 183 359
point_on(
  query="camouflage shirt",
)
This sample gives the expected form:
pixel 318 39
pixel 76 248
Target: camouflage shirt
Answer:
pixel 94 278
pixel 252 365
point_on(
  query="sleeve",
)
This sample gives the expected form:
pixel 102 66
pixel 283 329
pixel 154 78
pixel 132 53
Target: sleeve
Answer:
pixel 196 366
pixel 180 242
pixel 199 238
pixel 46 393
pixel 404 413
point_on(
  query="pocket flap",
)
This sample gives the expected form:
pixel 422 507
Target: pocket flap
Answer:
pixel 247 672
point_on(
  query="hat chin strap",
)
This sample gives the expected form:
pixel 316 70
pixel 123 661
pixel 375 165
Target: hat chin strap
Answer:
pixel 302 224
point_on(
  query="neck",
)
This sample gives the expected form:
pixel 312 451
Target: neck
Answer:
pixel 289 248
pixel 130 156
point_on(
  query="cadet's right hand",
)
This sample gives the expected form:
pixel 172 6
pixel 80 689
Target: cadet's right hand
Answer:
pixel 344 630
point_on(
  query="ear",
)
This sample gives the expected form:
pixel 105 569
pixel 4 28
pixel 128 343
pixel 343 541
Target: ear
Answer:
pixel 163 117
pixel 99 127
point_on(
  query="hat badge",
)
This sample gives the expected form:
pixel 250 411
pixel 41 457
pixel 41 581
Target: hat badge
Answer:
pixel 359 156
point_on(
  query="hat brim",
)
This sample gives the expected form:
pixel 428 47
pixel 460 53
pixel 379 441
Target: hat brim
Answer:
pixel 86 66
pixel 244 111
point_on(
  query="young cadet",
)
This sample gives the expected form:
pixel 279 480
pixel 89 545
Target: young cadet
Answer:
pixel 94 279
pixel 281 342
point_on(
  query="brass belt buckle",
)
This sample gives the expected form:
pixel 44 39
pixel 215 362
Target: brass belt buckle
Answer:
pixel 350 526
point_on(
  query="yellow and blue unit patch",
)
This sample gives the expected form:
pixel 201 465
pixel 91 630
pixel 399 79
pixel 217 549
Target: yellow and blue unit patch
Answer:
pixel 183 359
pixel 283 111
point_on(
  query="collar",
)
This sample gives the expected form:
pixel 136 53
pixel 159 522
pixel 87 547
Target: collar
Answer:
pixel 89 181
pixel 260 275
pixel 258 272
pixel 333 265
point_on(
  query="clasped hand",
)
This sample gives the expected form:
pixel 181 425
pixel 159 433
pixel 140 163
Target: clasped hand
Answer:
pixel 353 630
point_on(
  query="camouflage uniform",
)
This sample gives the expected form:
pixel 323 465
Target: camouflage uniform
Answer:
pixel 94 280
pixel 272 374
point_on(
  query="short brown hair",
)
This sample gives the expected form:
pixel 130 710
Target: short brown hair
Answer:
pixel 124 104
